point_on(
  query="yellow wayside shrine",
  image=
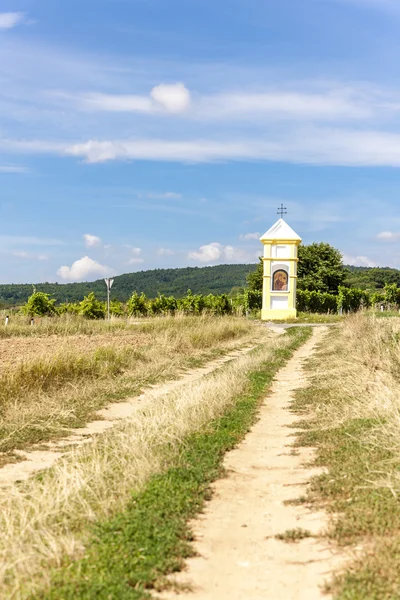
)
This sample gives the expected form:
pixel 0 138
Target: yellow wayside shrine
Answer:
pixel 280 272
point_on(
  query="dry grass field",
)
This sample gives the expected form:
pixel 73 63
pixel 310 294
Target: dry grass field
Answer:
pixel 56 375
pixel 44 521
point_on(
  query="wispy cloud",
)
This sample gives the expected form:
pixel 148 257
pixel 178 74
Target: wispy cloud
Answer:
pixel 13 169
pixel 18 240
pixel 245 237
pixel 332 103
pixel 162 195
pixel 165 252
pixel 136 258
pixel 389 236
pixel 314 146
pixel 8 20
pixel 359 261
pixel 29 255
pixel 307 146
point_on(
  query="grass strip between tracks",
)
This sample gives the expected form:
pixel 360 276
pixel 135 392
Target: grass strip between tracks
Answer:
pixel 131 554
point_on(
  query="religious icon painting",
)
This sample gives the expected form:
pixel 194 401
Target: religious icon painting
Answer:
pixel 280 281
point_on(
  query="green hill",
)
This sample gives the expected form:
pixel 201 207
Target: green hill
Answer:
pixel 175 282
pixel 372 277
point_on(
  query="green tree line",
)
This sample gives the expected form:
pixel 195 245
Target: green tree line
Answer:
pixel 220 279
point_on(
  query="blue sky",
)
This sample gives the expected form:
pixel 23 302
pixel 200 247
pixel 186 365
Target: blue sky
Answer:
pixel 137 134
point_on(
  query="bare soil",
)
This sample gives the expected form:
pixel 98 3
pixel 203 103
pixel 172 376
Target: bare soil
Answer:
pixel 239 556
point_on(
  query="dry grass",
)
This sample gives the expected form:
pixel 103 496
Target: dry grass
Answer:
pixel 354 401
pixel 362 372
pixel 41 397
pixel 43 520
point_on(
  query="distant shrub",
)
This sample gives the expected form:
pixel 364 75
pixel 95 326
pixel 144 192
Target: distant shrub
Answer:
pixel 68 308
pixel 353 299
pixel 252 299
pixel 91 308
pixel 117 308
pixel 137 305
pixel 39 304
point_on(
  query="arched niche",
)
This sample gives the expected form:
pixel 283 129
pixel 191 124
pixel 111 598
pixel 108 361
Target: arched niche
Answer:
pixel 280 280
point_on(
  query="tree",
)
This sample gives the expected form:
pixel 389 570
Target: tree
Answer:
pixel 255 278
pixel 320 268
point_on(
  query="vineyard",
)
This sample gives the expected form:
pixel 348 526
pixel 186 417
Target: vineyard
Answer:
pixel 347 300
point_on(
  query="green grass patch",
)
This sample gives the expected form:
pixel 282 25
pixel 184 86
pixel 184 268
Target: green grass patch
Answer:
pixel 133 552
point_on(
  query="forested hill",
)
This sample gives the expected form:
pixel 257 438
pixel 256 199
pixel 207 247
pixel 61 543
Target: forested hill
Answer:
pixel 171 282
pixel 372 277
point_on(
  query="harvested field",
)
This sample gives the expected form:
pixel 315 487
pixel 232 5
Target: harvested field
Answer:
pixel 56 382
pixel 25 349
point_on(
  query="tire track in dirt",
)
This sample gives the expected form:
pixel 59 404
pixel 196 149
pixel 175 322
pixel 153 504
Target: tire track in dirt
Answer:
pixel 34 461
pixel 239 557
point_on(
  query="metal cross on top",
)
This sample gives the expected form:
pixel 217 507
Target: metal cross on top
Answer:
pixel 282 210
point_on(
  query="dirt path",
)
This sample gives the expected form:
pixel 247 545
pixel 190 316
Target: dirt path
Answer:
pixel 45 457
pixel 239 557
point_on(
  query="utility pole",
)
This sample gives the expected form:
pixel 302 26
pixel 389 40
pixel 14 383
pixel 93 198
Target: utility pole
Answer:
pixel 109 281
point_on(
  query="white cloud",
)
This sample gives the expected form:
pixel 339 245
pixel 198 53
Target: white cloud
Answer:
pixel 13 169
pixel 210 253
pixel 165 252
pixel 388 236
pixel 136 251
pixel 358 261
pixel 91 240
pixel 207 253
pixel 174 98
pixel 9 20
pixel 249 236
pixel 83 269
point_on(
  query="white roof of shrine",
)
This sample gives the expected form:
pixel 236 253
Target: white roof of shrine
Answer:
pixel 280 231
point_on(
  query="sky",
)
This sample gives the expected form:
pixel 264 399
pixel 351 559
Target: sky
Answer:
pixel 141 134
